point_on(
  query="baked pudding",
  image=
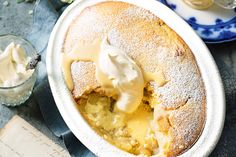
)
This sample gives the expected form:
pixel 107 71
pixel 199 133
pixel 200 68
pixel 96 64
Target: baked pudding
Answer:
pixel 134 79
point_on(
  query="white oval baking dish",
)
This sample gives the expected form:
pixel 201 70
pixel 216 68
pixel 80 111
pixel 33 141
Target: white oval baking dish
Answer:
pixel 210 74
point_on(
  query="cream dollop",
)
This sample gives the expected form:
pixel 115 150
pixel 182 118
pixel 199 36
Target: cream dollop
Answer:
pixel 117 70
pixel 13 61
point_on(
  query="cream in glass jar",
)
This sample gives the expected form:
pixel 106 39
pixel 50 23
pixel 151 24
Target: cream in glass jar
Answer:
pixel 16 82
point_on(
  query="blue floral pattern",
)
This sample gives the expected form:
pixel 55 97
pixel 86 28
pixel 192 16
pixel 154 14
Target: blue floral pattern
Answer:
pixel 220 32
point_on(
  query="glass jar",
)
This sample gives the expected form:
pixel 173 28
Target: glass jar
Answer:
pixel 16 95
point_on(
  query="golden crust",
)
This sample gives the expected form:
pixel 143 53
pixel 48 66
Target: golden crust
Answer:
pixel 85 70
pixel 154 47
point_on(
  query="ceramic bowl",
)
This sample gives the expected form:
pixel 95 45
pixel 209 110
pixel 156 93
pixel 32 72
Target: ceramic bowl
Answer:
pixel 214 89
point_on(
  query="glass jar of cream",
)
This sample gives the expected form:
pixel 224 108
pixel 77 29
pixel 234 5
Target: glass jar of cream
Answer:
pixel 16 81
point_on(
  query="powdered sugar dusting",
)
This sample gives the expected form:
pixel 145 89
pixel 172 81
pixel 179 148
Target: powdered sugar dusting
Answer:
pixel 81 70
pixel 142 13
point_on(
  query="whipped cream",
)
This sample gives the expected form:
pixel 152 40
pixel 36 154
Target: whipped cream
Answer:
pixel 117 71
pixel 13 61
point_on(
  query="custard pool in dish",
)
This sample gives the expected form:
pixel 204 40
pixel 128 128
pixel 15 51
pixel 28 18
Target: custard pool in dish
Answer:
pixel 134 79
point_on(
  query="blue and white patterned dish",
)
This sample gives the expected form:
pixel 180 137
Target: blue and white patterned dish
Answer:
pixel 213 25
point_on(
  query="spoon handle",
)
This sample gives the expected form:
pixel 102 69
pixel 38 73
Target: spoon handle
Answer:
pixel 33 62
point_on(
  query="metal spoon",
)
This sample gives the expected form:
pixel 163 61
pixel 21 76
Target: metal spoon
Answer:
pixel 33 62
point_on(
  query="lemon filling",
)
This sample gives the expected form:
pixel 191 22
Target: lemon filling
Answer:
pixel 130 132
